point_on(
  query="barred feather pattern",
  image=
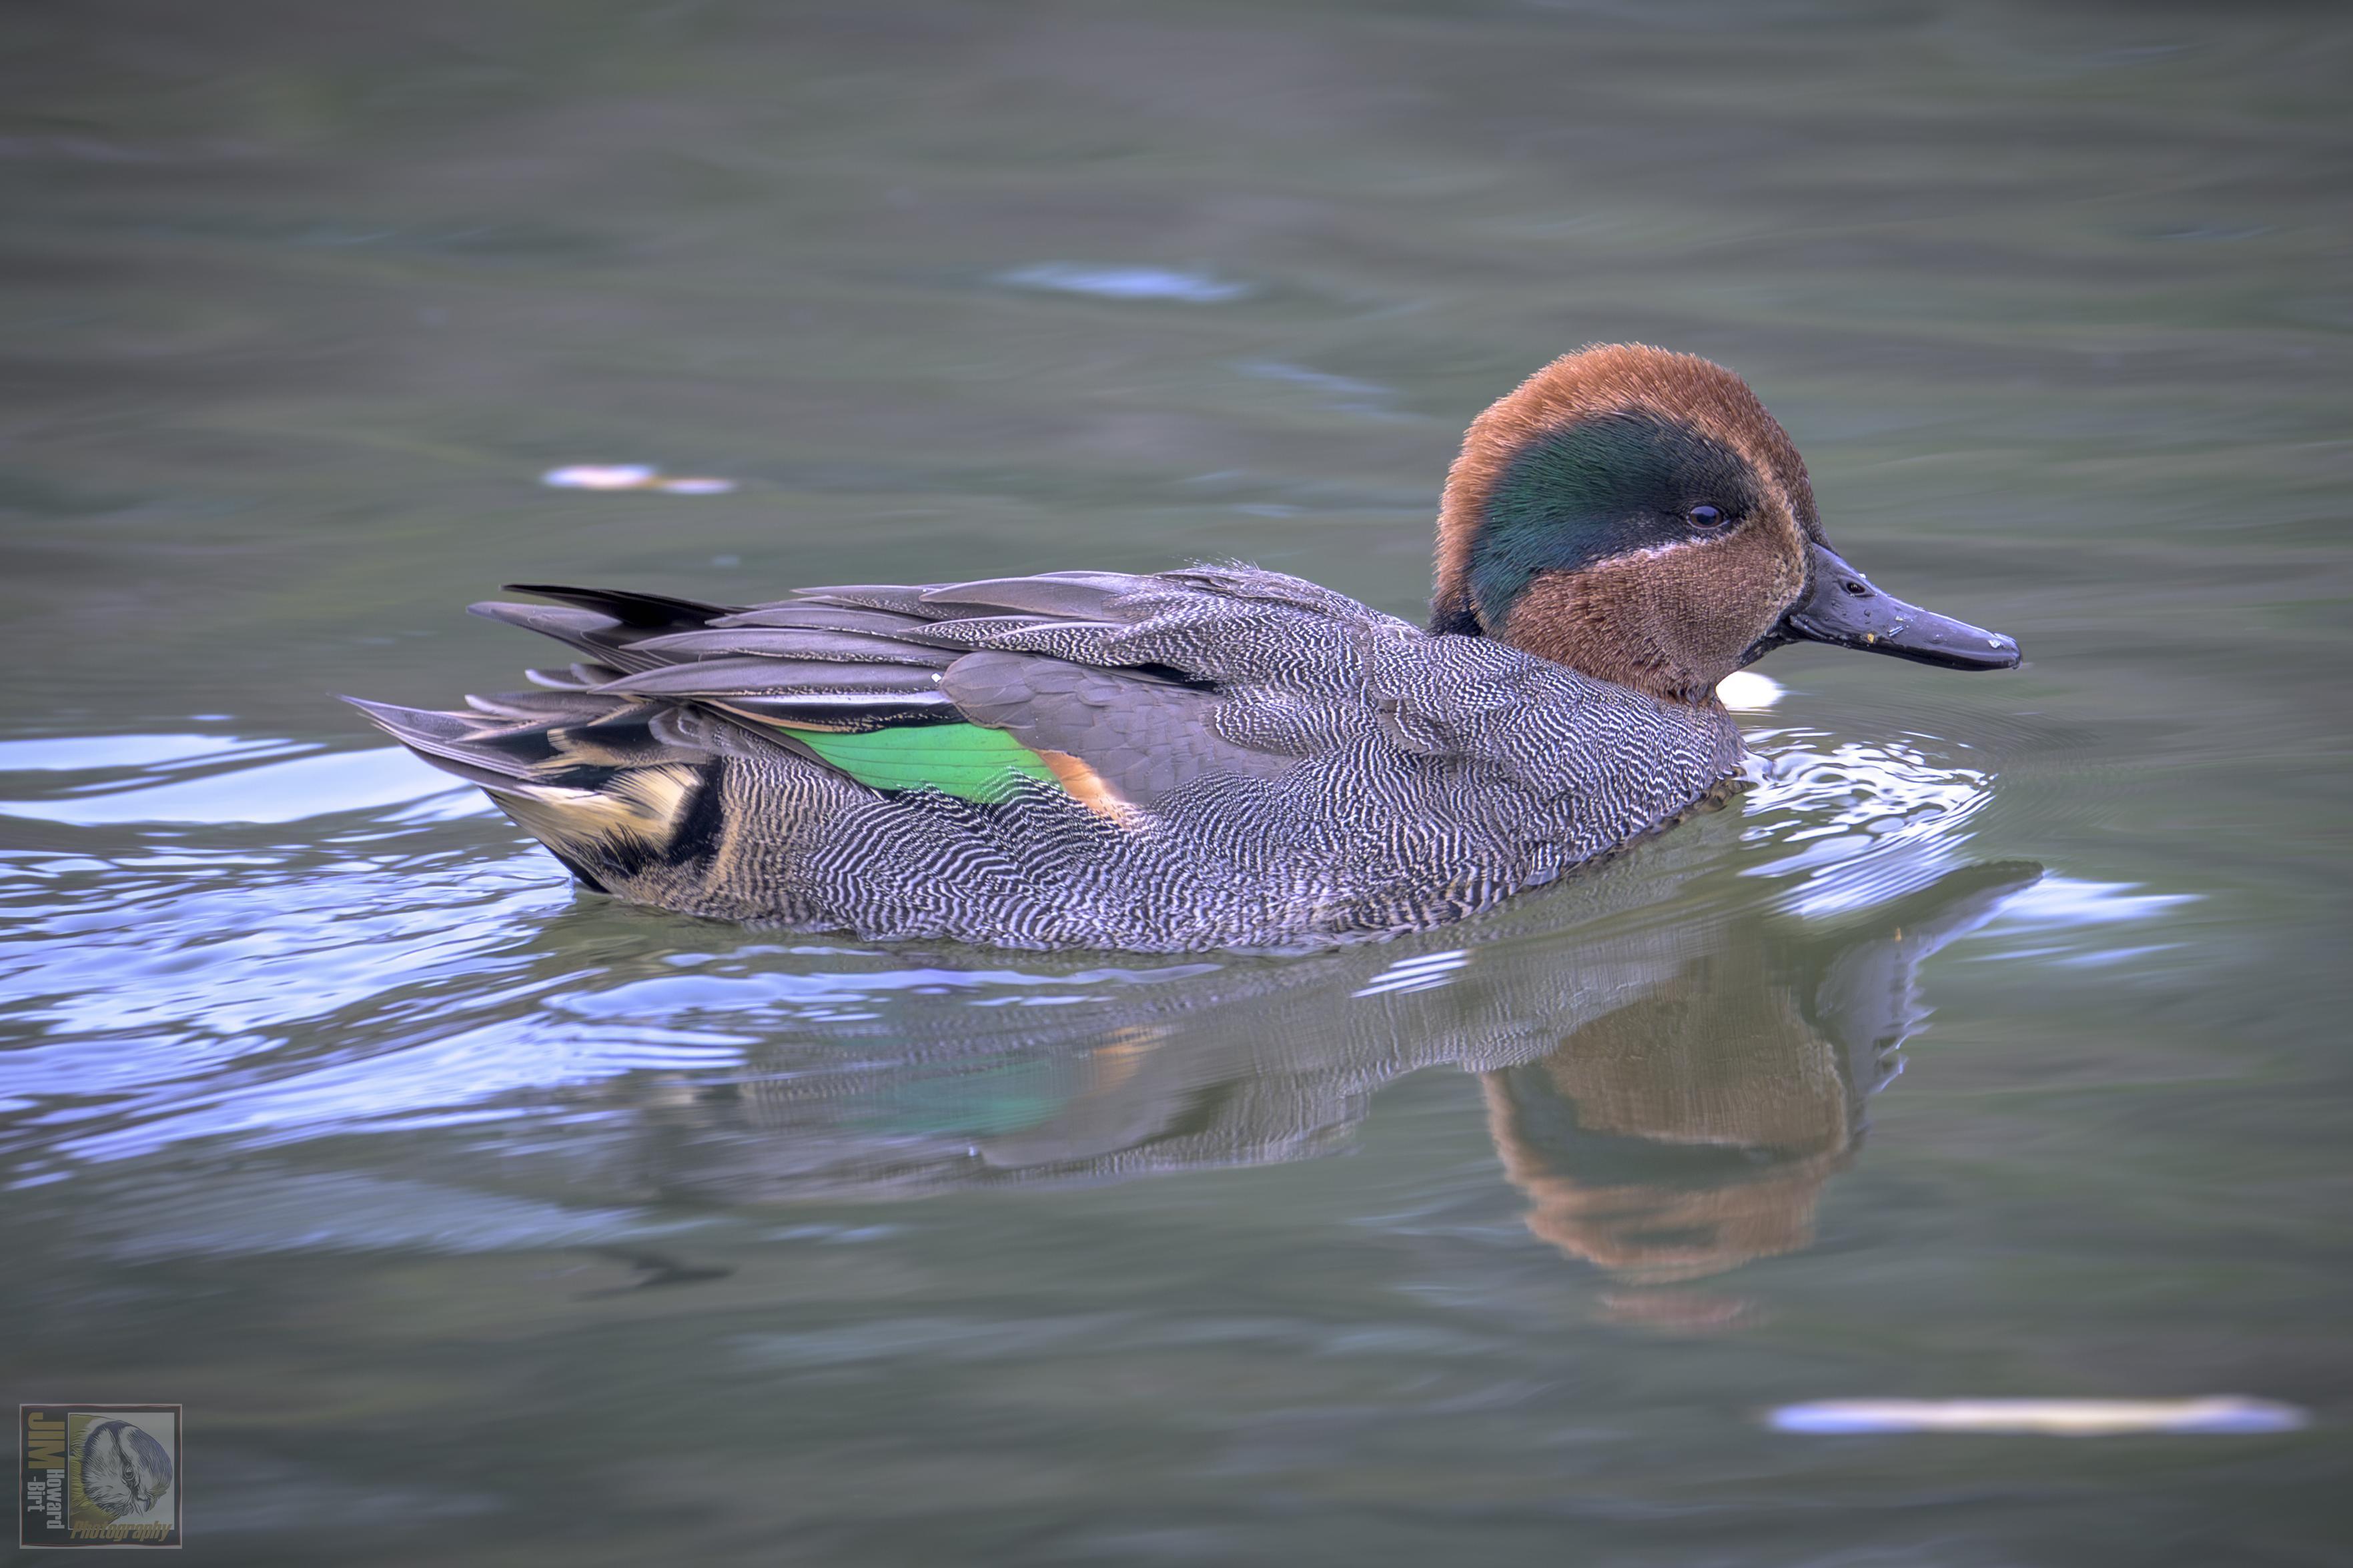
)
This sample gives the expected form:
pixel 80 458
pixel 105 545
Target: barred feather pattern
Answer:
pixel 1350 775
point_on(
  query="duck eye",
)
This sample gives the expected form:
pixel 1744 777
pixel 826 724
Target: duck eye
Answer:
pixel 1706 516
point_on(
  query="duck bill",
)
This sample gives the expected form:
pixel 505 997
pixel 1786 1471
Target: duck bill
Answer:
pixel 1841 607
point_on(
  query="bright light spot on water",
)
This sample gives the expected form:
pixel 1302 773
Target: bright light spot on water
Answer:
pixel 2233 1413
pixel 1747 692
pixel 1126 283
pixel 630 476
pixel 599 476
pixel 2064 902
pixel 1424 973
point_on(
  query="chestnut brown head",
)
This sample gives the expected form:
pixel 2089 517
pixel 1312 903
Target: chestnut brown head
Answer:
pixel 1638 515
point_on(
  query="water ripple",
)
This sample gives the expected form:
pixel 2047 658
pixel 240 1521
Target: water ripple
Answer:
pixel 255 940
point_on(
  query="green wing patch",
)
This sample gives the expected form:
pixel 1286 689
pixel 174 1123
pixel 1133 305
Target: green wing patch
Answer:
pixel 963 760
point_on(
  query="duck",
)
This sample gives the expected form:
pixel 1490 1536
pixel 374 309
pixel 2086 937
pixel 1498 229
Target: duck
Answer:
pixel 1215 756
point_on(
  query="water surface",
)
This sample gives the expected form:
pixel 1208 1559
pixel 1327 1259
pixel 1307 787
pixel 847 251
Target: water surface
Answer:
pixel 1991 1047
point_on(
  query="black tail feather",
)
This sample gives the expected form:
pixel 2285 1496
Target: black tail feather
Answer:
pixel 639 612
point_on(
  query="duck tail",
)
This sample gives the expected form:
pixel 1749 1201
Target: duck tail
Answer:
pixel 611 786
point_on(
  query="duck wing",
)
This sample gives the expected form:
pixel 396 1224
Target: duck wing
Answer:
pixel 1120 688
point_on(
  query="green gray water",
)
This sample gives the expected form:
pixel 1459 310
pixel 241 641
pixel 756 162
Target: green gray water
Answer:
pixel 476 1222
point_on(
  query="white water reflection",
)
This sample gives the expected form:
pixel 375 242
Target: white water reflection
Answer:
pixel 1860 821
pixel 277 792
pixel 2225 1414
pixel 1127 283
pixel 82 753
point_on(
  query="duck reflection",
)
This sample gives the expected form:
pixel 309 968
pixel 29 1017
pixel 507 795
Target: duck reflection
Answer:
pixel 1693 1129
pixel 1670 1075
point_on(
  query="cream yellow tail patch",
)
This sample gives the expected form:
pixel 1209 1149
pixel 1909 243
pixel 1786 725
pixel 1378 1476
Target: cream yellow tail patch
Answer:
pixel 640 807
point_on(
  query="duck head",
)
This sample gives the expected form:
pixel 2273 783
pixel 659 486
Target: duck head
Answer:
pixel 1638 516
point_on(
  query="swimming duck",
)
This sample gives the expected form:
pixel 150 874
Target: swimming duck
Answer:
pixel 1217 756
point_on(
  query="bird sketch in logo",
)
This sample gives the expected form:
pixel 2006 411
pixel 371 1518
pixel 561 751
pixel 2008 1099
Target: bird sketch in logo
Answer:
pixel 125 1473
